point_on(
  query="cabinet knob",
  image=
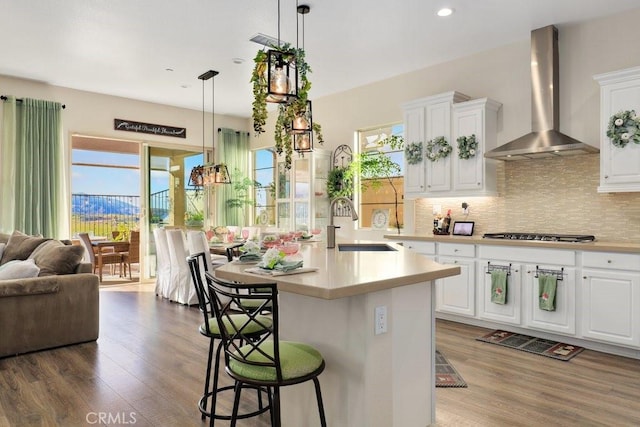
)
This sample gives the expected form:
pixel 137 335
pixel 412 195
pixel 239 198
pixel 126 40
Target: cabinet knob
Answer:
pixel 478 183
pixel 609 261
pixel 455 262
pixel 455 250
pixel 584 277
pixel 606 177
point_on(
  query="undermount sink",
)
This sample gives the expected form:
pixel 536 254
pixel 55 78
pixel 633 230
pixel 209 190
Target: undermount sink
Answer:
pixel 365 247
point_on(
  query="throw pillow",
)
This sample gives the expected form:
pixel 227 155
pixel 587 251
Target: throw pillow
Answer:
pixel 4 238
pixel 17 269
pixel 2 245
pixel 20 246
pixel 54 257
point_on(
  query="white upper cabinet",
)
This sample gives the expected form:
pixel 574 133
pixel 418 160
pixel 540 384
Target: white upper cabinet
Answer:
pixel 451 115
pixel 619 166
pixel 475 176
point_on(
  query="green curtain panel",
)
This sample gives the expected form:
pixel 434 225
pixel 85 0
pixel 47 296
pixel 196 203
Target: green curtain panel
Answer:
pixel 31 187
pixel 233 150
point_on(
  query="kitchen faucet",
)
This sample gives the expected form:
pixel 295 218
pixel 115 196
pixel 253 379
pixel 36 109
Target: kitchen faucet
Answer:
pixel 331 229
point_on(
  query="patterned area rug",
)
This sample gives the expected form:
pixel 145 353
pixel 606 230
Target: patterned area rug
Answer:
pixel 553 349
pixel 446 375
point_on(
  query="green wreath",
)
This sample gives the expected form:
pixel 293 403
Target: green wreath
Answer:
pixel 413 153
pixel 438 148
pixel 467 146
pixel 624 127
pixel 338 184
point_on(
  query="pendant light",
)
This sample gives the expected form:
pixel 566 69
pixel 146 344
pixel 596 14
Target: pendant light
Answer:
pixel 302 124
pixel 282 73
pixel 207 175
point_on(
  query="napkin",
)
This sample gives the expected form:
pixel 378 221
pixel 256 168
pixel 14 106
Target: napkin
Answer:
pixel 250 257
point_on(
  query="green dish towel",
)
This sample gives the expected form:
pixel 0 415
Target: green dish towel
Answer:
pixel 547 284
pixel 498 286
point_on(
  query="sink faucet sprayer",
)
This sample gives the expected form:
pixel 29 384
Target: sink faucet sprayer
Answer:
pixel 331 229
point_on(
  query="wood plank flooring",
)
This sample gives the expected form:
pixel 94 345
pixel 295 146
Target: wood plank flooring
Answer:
pixel 147 369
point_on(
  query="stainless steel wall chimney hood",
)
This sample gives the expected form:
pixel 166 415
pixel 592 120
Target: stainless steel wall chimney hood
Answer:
pixel 545 140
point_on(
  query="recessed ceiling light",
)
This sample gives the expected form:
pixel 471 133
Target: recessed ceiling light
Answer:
pixel 445 11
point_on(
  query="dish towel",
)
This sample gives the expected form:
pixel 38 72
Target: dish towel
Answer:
pixel 498 286
pixel 547 284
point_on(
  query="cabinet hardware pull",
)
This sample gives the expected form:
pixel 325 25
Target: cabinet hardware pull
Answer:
pixel 606 177
pixel 584 277
pixel 609 261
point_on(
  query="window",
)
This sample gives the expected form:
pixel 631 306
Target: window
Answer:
pixel 380 191
pixel 264 172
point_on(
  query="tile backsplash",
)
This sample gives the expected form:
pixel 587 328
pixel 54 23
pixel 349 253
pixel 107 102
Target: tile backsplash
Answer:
pixel 555 195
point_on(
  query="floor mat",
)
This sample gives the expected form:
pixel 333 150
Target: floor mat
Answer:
pixel 446 375
pixel 548 348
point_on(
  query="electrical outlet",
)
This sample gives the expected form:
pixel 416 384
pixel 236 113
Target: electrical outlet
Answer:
pixel 380 320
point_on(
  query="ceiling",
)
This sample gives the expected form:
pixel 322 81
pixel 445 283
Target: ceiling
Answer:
pixel 154 50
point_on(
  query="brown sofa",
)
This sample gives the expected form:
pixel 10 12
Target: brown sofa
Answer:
pixel 51 310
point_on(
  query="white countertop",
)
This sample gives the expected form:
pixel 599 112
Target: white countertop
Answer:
pixel 342 274
pixel 623 247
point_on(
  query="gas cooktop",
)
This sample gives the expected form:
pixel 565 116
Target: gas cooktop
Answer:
pixel 541 237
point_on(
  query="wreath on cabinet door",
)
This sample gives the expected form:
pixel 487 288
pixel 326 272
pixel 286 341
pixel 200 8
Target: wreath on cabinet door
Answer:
pixel 624 126
pixel 438 148
pixel 413 153
pixel 467 146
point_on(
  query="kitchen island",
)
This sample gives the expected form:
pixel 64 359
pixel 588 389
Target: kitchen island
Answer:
pixel 370 379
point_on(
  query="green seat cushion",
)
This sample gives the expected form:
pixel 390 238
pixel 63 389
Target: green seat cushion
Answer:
pixel 254 303
pixel 296 359
pixel 238 320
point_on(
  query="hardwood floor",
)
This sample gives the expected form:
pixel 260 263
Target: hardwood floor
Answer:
pixel 147 369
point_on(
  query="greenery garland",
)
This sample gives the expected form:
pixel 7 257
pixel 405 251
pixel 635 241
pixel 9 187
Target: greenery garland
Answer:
pixel 339 183
pixel 624 127
pixel 438 148
pixel 413 153
pixel 467 146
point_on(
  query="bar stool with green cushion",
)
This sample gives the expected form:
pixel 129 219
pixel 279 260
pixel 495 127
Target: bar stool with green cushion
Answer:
pixel 255 328
pixel 268 362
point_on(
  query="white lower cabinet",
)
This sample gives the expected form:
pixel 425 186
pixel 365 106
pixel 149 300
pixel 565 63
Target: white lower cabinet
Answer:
pixel 511 311
pixel 456 295
pixel 561 320
pixel 610 299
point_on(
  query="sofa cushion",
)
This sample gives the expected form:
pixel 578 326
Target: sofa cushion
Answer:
pixel 35 286
pixel 54 257
pixel 20 247
pixel 17 269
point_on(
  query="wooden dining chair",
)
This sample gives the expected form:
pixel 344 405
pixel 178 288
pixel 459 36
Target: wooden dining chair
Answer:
pixel 133 254
pixel 108 258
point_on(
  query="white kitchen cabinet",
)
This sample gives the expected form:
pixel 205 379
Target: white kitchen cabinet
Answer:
pixel 475 176
pixel 610 298
pixel 302 201
pixel 619 166
pixel 414 133
pixel 511 311
pixel 456 295
pixel 424 248
pixel 425 119
pixel 563 319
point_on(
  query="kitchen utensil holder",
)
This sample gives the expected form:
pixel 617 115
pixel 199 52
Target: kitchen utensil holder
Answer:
pixel 491 267
pixel 558 273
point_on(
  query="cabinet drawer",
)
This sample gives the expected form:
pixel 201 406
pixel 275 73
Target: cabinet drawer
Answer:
pixel 456 249
pixel 427 248
pixel 611 260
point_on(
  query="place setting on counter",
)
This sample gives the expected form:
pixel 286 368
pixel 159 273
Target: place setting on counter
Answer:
pixel 278 259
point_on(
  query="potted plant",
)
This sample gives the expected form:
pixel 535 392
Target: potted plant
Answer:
pixel 339 183
pixel 241 185
pixel 374 167
pixel 288 111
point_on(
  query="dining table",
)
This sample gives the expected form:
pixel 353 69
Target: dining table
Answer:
pixel 103 246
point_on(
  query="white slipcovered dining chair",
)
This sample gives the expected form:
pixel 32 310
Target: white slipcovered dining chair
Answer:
pixel 182 289
pixel 163 262
pixel 197 243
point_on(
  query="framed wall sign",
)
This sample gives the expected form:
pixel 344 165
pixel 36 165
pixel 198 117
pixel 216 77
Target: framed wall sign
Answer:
pixel 150 128
pixel 380 219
